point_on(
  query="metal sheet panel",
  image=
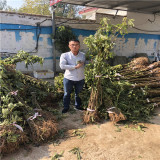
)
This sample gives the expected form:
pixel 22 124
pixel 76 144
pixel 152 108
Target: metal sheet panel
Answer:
pixel 144 6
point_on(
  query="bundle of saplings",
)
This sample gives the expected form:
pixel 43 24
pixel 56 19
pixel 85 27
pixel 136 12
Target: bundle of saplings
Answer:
pixel 21 117
pixel 134 89
pixel 123 92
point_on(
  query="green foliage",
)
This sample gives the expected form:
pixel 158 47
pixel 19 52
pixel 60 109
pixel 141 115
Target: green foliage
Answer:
pixel 5 7
pixel 3 4
pixel 67 10
pixel 24 56
pixel 58 82
pixel 35 7
pixel 62 37
pixel 10 110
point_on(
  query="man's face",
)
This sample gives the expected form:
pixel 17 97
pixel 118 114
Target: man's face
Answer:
pixel 74 46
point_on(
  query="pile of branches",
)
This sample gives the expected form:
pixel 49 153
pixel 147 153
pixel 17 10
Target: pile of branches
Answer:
pixel 143 75
pixel 129 92
pixel 22 119
pixel 144 88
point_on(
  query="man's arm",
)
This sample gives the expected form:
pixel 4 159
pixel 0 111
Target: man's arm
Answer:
pixel 64 65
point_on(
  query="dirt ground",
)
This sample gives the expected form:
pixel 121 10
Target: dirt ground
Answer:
pixel 103 141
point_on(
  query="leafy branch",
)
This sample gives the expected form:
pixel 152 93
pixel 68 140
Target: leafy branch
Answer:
pixel 76 151
pixel 24 56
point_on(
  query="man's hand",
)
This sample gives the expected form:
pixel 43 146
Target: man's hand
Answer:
pixel 79 65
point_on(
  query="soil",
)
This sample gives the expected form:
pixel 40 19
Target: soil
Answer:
pixel 102 141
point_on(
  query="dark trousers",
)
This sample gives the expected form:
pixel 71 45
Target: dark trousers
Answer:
pixel 68 88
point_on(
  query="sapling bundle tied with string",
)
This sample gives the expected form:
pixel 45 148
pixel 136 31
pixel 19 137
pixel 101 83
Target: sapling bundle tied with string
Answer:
pixel 100 48
pixel 22 118
pixel 143 78
pixel 131 91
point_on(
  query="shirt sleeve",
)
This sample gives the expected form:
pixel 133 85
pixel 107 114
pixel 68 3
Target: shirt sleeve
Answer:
pixel 64 65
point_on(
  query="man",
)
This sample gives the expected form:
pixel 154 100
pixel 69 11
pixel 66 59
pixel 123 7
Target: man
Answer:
pixel 73 64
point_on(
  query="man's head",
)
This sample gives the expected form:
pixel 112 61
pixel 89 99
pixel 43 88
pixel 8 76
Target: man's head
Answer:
pixel 74 46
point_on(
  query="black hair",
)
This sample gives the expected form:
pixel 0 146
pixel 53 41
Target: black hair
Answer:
pixel 75 40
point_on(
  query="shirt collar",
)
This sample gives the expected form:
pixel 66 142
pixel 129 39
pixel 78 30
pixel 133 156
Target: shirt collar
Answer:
pixel 73 54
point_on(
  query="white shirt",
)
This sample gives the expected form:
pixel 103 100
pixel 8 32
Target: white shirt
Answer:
pixel 68 61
